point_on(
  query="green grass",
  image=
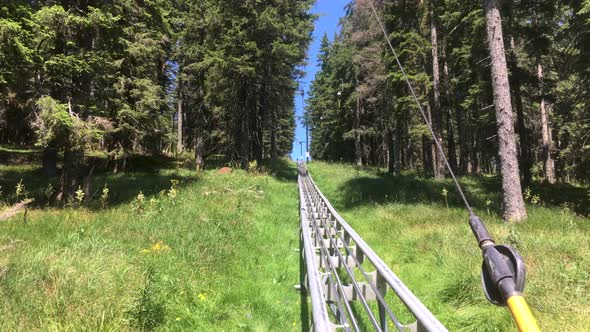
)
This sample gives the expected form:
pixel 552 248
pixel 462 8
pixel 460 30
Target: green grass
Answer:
pixel 17 149
pixel 431 248
pixel 218 255
pixel 13 154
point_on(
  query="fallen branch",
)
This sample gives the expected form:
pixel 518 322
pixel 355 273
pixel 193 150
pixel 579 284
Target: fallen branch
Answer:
pixel 15 209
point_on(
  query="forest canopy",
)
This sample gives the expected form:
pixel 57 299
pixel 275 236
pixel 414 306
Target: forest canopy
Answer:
pixel 116 78
pixel 361 110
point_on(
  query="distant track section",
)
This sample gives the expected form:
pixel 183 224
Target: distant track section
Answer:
pixel 342 269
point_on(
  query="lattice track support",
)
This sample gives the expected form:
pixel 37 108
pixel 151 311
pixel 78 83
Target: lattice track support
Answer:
pixel 332 250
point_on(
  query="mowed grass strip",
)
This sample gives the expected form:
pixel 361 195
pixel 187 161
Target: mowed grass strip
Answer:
pixel 405 219
pixel 212 252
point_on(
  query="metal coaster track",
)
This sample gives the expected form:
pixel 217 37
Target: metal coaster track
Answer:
pixel 333 252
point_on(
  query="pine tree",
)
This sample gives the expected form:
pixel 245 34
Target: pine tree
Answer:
pixel 439 166
pixel 514 209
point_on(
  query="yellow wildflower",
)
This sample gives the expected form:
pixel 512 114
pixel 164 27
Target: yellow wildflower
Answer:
pixel 202 296
pixel 160 246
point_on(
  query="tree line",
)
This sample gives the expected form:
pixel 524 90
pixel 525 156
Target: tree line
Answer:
pixel 97 78
pixel 472 64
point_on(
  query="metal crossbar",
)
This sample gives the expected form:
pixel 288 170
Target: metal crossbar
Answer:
pixel 332 253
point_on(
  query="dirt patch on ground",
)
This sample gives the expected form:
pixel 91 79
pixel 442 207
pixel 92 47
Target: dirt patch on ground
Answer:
pixel 224 170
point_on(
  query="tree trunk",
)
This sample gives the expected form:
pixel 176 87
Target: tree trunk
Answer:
pixel 199 126
pixel 88 181
pixel 438 164
pixel 408 147
pixel 428 148
pixel 397 148
pixel 390 150
pixel 548 164
pixel 463 144
pixel 475 167
pixel 180 114
pixel 525 157
pixel 243 132
pixel 70 106
pixel 357 136
pixel 449 121
pixel 199 150
pixel 274 150
pixel 69 173
pixel 258 135
pixel 525 160
pixel 514 209
pixel 50 160
pixel 451 143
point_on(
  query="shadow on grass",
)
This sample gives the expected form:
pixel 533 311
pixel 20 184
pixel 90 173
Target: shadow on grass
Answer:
pixel 18 154
pixel 405 189
pixel 576 198
pixel 143 173
pixel 480 191
pixel 551 195
pixel 282 170
pixel 123 187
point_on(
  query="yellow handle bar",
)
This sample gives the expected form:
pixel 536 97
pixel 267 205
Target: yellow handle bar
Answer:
pixel 522 314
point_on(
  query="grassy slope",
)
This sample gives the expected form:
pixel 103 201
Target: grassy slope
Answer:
pixel 218 256
pixel 432 249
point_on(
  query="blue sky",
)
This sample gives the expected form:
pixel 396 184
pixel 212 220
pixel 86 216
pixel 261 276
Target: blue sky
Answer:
pixel 329 12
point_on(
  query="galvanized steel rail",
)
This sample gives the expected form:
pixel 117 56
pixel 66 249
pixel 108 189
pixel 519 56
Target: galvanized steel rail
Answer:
pixel 333 251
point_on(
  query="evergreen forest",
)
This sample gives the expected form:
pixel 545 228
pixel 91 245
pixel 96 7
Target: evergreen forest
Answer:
pixel 93 82
pixel 361 111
